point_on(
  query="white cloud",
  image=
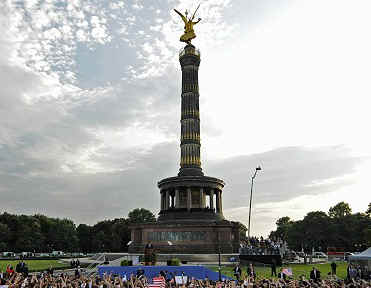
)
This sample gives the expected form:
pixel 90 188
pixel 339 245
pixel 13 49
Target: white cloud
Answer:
pixel 91 103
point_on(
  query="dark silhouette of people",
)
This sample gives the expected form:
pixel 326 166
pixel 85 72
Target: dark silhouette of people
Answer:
pixel 273 268
pixel 251 271
pixel 333 268
pixel 315 274
pixel 149 254
pixel 237 272
pixel 281 275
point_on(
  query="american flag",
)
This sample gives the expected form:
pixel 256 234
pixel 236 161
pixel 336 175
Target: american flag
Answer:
pixel 287 271
pixel 157 282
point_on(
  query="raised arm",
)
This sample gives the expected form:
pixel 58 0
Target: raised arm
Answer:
pixel 199 19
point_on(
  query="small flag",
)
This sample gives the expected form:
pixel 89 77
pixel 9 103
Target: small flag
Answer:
pixel 287 271
pixel 157 282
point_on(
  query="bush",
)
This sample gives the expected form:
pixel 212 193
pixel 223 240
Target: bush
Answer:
pixel 126 263
pixel 173 262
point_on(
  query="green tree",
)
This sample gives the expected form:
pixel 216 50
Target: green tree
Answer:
pixel 141 215
pixel 29 236
pixel 12 221
pixel 85 236
pixel 297 236
pixel 98 242
pixel 283 227
pixel 341 229
pixel 46 225
pixel 4 237
pixel 368 211
pixel 62 234
pixel 341 209
pixel 121 234
pixel 317 229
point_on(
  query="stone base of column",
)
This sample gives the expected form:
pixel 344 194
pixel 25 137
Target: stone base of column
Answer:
pixel 189 238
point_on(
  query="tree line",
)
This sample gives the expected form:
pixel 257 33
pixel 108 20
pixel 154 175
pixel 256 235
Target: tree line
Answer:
pixel 39 233
pixel 338 228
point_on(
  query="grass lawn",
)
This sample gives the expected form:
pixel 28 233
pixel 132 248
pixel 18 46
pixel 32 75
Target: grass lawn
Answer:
pixel 34 265
pixel 297 269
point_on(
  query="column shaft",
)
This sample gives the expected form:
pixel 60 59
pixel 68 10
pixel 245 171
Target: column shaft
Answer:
pixel 177 200
pixel 189 198
pixel 202 198
pixel 212 199
pixel 167 200
pixel 220 203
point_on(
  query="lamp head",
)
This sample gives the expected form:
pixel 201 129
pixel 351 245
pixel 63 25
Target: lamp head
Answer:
pixel 258 168
pixel 129 243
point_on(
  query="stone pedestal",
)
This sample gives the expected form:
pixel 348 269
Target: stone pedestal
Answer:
pixel 186 238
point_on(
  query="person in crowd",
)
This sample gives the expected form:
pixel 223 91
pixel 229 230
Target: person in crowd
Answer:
pixel 77 271
pixel 315 274
pixel 9 270
pixel 251 271
pixel 140 273
pixel 18 268
pixel 25 269
pixel 273 268
pixel 348 271
pixel 237 272
pixel 333 268
pixel 352 272
pixel 282 275
pixel 50 270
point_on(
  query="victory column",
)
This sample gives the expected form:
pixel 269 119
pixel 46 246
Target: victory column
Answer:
pixel 191 216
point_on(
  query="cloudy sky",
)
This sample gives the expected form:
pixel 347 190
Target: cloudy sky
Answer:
pixel 90 105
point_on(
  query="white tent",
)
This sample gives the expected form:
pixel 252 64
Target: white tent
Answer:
pixel 362 258
pixel 365 255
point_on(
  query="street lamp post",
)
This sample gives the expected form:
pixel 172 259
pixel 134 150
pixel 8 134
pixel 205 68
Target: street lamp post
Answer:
pixel 252 184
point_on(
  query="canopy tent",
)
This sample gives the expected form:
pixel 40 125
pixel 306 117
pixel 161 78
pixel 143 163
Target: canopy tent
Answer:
pixel 365 255
pixel 363 259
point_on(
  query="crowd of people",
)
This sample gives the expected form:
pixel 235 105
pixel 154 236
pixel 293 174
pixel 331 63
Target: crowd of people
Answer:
pixel 250 279
pixel 261 246
pixel 315 279
pixel 358 272
pixel 19 280
pixel 21 267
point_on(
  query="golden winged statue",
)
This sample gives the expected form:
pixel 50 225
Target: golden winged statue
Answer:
pixel 189 33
